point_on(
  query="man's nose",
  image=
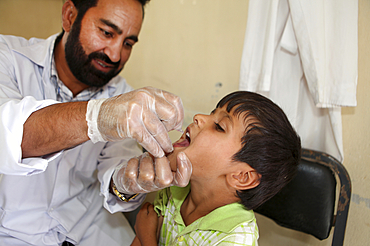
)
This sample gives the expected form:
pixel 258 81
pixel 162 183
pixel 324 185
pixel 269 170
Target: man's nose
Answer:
pixel 113 51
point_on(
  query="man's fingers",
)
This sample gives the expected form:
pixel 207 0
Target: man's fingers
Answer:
pixel 156 130
pixel 142 126
pixel 163 172
pixel 170 111
pixel 151 145
pixel 145 115
pixel 129 179
pixel 146 173
pixel 182 175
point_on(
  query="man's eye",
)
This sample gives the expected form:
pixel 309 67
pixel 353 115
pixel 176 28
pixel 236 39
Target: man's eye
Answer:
pixel 106 33
pixel 128 44
pixel 219 128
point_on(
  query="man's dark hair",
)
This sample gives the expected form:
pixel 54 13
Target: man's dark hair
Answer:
pixel 83 5
pixel 270 145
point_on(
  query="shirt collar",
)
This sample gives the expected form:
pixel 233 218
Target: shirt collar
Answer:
pixel 64 94
pixel 223 219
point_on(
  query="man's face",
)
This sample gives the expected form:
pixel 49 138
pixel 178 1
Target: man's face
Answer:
pixel 100 44
pixel 210 142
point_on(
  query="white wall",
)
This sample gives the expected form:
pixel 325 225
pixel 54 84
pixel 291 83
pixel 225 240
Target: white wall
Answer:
pixel 193 48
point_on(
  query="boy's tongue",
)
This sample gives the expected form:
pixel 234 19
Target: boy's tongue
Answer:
pixel 184 143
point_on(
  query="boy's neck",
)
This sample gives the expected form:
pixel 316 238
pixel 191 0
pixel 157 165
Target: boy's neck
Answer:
pixel 202 200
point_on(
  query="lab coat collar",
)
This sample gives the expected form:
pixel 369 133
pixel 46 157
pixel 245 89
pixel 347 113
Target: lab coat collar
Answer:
pixel 39 52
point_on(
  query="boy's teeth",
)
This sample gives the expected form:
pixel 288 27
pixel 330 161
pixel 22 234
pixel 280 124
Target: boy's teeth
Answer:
pixel 188 135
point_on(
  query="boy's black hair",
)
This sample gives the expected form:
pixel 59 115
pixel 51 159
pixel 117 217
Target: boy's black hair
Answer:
pixel 270 145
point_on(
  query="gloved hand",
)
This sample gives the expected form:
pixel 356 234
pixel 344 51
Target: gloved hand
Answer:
pixel 145 114
pixel 143 175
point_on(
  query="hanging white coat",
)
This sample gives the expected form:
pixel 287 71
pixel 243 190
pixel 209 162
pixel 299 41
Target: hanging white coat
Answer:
pixel 303 56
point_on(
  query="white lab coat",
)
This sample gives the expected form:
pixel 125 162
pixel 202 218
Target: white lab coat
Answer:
pixel 47 200
pixel 303 55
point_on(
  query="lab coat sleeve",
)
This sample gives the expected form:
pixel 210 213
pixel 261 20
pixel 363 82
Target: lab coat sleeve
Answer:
pixel 14 111
pixel 13 115
pixel 113 155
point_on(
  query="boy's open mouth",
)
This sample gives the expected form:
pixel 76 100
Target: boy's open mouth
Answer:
pixel 184 141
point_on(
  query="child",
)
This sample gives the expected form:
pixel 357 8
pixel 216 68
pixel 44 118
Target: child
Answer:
pixel 242 154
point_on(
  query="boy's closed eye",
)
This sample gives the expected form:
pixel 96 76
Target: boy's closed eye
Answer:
pixel 219 128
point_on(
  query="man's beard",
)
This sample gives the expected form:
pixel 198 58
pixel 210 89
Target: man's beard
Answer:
pixel 81 65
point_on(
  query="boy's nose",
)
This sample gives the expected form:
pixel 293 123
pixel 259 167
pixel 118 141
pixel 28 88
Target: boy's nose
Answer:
pixel 199 119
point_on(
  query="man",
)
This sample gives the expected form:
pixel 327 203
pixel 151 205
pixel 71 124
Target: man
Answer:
pixel 55 96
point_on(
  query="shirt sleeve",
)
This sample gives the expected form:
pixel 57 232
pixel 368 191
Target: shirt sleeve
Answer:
pixel 113 155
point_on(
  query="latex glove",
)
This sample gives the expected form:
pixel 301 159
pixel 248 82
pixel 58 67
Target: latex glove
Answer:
pixel 143 174
pixel 145 114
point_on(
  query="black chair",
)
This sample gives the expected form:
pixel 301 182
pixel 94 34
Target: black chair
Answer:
pixel 307 203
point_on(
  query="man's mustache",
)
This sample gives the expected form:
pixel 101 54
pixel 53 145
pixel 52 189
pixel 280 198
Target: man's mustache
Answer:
pixel 104 58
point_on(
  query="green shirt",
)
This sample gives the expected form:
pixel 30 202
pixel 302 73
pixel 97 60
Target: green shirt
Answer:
pixel 226 225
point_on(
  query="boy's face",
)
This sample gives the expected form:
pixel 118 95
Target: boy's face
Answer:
pixel 210 143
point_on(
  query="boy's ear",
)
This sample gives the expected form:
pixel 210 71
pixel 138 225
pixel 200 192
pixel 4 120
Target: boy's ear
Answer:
pixel 69 14
pixel 245 179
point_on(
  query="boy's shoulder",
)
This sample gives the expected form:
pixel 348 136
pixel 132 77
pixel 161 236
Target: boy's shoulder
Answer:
pixel 227 217
pixel 224 218
pixel 231 223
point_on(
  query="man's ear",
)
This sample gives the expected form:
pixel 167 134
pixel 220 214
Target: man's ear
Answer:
pixel 245 179
pixel 69 14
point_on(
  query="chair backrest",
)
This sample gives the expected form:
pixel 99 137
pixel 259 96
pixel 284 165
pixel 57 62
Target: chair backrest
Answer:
pixel 307 203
